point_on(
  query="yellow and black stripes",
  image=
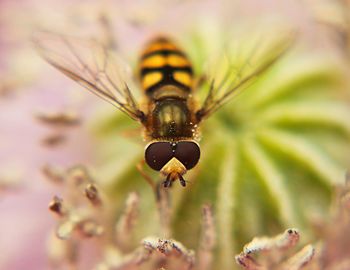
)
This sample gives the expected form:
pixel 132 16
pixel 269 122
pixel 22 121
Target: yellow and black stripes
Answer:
pixel 163 63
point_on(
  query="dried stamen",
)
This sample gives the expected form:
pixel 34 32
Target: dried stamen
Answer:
pixel 56 206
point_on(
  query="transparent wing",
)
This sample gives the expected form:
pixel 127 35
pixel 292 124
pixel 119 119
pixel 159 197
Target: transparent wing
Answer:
pixel 237 66
pixel 91 65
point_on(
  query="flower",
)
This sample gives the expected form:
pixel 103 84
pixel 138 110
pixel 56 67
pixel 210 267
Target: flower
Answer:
pixel 269 158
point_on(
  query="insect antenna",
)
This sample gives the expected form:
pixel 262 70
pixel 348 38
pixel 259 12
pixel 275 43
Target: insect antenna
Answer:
pixel 182 180
pixel 167 182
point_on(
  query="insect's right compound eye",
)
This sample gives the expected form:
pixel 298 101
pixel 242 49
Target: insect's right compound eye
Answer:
pixel 158 154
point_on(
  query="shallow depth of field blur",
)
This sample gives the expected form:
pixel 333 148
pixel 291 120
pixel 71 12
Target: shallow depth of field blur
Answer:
pixel 273 161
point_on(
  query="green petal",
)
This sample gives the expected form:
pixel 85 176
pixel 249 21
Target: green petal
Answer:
pixel 305 153
pixel 324 114
pixel 225 206
pixel 273 178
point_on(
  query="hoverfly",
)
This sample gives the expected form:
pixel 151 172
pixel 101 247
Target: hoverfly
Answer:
pixel 169 112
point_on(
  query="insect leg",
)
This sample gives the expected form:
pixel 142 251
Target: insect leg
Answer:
pixel 145 176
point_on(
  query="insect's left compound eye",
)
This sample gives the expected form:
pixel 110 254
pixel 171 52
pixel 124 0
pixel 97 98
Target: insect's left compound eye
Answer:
pixel 158 154
pixel 188 153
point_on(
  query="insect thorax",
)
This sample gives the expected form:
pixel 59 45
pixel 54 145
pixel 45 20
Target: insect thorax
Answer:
pixel 171 118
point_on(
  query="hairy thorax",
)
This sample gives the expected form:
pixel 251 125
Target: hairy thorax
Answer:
pixel 171 119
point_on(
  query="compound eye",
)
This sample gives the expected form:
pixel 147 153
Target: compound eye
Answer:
pixel 188 153
pixel 158 154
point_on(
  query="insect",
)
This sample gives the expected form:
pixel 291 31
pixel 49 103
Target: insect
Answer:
pixel 168 111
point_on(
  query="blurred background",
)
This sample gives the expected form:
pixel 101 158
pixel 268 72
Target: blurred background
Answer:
pixel 274 158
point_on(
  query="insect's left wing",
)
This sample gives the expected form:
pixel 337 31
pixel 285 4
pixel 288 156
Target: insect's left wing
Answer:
pixel 238 67
pixel 91 65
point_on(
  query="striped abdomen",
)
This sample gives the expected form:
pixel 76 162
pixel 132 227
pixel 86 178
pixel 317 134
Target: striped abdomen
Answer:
pixel 165 68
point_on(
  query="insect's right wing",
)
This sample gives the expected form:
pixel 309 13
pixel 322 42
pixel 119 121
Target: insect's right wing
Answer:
pixel 238 65
pixel 91 65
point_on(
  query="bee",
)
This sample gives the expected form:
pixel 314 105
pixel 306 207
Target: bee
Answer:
pixel 168 111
